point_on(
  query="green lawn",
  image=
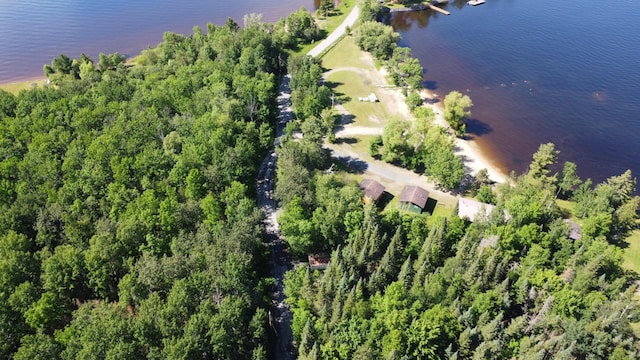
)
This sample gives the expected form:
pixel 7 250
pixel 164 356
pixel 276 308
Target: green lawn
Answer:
pixel 348 85
pixel 567 209
pixel 328 24
pixel 344 54
pixel 15 88
pixel 631 255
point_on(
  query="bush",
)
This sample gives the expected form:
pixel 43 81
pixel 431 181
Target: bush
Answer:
pixel 413 100
pixel 374 145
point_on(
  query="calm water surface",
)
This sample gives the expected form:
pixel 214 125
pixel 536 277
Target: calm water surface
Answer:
pixel 566 72
pixel 33 32
pixel 538 71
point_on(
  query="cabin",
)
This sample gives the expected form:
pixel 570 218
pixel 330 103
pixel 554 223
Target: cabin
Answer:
pixel 413 199
pixel 373 190
pixel 319 261
pixel 473 210
pixel 575 231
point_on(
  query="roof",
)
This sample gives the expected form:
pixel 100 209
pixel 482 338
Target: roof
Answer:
pixel 372 189
pixel 319 261
pixel 472 209
pixel 415 195
pixel 575 231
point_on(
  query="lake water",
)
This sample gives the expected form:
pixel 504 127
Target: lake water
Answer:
pixel 566 72
pixel 34 32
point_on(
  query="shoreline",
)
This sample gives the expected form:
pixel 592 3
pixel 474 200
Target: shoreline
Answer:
pixel 474 158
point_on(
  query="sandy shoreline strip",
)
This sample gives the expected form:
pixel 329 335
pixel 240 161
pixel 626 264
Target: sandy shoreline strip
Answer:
pixel 469 150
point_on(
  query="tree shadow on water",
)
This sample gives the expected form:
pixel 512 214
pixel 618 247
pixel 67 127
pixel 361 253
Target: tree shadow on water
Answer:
pixel 477 128
pixel 430 85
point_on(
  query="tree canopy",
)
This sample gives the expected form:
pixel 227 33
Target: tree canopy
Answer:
pixel 128 225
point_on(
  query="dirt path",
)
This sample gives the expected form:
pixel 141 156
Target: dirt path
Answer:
pixel 394 178
pixel 280 314
pixel 349 21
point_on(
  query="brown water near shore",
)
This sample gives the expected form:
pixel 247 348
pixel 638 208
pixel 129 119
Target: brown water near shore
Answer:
pixel 539 72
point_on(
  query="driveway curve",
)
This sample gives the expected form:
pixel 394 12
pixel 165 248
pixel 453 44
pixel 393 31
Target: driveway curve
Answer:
pixel 349 21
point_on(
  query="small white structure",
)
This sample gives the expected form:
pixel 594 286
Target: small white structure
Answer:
pixel 371 98
pixel 475 2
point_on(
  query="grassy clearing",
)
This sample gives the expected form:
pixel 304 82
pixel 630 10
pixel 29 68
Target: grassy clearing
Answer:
pixel 327 24
pixel 567 208
pixel 348 85
pixel 345 54
pixel 15 88
pixel 631 255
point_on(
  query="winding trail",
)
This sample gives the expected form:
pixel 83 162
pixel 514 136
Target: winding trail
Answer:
pixel 280 315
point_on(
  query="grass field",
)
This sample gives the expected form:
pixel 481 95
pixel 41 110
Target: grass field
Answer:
pixel 631 255
pixel 15 88
pixel 567 209
pixel 349 84
pixel 328 24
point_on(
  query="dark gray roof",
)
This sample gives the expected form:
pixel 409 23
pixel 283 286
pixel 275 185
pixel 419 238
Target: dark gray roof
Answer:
pixel 415 195
pixel 575 231
pixel 372 189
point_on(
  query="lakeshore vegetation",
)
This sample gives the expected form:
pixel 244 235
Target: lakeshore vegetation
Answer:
pixel 129 227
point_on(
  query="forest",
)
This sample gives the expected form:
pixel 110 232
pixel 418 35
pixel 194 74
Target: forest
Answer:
pixel 128 221
pixel 511 284
pixel 515 283
pixel 129 227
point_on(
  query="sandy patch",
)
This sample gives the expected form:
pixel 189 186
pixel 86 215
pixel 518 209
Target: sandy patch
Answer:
pixel 472 155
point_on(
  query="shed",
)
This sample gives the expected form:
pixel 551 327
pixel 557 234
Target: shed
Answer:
pixel 319 261
pixel 413 198
pixel 473 210
pixel 373 190
pixel 575 232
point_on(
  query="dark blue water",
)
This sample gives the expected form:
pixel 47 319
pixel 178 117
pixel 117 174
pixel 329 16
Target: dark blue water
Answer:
pixel 566 72
pixel 33 32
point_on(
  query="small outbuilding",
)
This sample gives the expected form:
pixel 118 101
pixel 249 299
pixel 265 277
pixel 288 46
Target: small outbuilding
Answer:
pixel 319 261
pixel 373 190
pixel 575 231
pixel 413 198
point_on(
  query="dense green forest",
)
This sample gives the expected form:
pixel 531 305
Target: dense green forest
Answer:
pixel 514 284
pixel 128 222
pixel 129 227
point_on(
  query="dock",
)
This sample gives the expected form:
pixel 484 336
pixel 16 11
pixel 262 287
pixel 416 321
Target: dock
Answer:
pixel 420 7
pixel 440 10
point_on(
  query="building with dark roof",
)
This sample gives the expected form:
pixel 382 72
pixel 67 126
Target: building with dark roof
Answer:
pixel 413 199
pixel 575 231
pixel 373 190
pixel 319 261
